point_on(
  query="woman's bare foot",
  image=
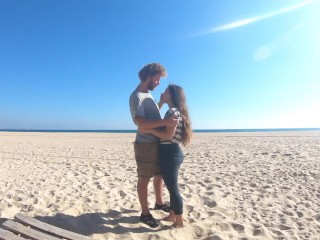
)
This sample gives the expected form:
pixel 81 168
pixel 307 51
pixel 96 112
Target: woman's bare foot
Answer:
pixel 179 221
pixel 178 225
pixel 171 217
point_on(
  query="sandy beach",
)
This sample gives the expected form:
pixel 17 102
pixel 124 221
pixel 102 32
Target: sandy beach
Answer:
pixel 234 185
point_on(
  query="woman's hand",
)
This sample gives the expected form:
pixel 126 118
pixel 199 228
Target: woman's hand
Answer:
pixel 165 98
pixel 162 98
pixel 162 101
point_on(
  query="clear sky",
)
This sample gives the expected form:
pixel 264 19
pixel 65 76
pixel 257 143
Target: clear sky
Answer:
pixel 243 63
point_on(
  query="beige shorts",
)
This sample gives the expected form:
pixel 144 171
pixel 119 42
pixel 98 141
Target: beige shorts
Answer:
pixel 147 154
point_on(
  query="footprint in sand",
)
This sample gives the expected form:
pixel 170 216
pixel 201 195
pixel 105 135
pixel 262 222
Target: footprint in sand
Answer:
pixel 277 232
pixel 284 227
pixel 122 194
pixel 211 204
pixel 195 215
pixel 258 232
pixel 213 237
pixel 27 208
pixel 287 154
pixel 223 226
pixel 300 214
pixel 189 208
pixel 216 214
pixel 289 213
pixel 253 185
pixel 52 193
pixel 238 227
pixel 199 231
pixel 207 181
pixel 17 199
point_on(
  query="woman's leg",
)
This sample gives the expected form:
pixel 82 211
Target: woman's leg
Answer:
pixel 172 180
pixel 175 197
pixel 170 170
pixel 166 172
pixel 171 217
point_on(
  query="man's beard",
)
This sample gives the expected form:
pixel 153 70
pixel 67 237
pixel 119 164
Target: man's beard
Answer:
pixel 151 86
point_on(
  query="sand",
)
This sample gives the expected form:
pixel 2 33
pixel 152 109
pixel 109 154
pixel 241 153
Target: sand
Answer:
pixel 234 185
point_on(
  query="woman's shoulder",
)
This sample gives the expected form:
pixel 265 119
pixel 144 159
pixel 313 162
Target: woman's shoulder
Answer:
pixel 173 112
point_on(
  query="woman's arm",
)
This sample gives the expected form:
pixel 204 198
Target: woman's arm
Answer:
pixel 160 104
pixel 162 101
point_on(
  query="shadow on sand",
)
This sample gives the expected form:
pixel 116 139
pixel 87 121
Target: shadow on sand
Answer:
pixel 115 222
pixel 2 220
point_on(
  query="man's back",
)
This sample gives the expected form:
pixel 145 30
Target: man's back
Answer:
pixel 143 105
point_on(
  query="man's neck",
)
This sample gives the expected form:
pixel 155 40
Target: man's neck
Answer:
pixel 142 88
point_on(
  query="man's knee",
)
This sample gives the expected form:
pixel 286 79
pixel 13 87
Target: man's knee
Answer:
pixel 157 178
pixel 143 181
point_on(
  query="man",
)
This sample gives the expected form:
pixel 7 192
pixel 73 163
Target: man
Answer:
pixel 145 114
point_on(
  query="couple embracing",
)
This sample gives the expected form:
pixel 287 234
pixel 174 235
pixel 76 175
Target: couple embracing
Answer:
pixel 157 145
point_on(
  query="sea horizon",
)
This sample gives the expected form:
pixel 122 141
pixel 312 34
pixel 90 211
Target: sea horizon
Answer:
pixel 195 130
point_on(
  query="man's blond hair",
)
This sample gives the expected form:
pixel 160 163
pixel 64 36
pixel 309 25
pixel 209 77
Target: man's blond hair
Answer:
pixel 151 70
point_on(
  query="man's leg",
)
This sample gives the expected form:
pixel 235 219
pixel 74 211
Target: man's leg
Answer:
pixel 144 169
pixel 158 189
pixel 145 216
pixel 142 188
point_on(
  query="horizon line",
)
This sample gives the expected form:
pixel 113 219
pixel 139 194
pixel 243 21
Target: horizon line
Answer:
pixel 135 130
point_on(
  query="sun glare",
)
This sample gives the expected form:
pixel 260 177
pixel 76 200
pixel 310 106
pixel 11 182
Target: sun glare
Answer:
pixel 247 21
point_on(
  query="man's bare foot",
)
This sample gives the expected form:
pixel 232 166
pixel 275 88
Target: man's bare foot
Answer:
pixel 169 218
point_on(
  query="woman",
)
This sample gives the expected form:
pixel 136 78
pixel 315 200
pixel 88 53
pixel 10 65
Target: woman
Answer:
pixel 170 153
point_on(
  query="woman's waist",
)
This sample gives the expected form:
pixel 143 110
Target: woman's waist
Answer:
pixel 170 147
pixel 168 142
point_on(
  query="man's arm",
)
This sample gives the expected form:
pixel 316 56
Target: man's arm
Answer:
pixel 144 123
pixel 166 134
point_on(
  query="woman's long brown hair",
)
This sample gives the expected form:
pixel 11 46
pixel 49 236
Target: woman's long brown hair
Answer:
pixel 178 98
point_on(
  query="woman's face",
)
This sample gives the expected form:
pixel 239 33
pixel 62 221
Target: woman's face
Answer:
pixel 166 95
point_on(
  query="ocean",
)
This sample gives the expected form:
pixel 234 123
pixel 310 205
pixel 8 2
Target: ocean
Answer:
pixel 196 130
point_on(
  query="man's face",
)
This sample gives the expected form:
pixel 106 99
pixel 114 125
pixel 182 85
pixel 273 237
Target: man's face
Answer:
pixel 154 82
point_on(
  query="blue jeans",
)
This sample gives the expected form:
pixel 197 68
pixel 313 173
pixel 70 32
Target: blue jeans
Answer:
pixel 170 159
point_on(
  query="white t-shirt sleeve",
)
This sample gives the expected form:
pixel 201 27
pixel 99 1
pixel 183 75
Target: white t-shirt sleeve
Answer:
pixel 136 108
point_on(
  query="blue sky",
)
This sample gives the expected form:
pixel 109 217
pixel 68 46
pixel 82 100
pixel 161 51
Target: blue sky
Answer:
pixel 243 63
